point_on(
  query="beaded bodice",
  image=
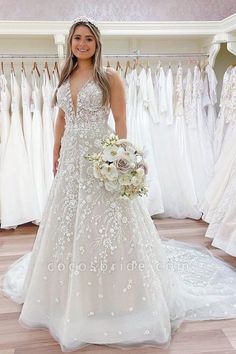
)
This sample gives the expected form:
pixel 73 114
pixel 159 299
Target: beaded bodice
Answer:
pixel 89 104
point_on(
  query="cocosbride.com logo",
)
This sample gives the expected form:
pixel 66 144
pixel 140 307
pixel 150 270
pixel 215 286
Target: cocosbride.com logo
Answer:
pixel 130 266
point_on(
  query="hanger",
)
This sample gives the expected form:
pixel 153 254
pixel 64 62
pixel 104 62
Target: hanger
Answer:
pixel 35 67
pixel 148 66
pixel 56 68
pixel 108 64
pixel 23 67
pixel 138 63
pixel 46 68
pixel 12 68
pixel 118 66
pixel 169 65
pixel 2 70
pixel 128 66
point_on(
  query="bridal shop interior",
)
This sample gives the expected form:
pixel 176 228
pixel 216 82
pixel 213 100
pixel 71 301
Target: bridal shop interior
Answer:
pixel 177 61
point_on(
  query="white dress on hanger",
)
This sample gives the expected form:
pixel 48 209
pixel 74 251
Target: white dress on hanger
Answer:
pixel 192 133
pixel 37 146
pixel 222 227
pixel 17 190
pixel 5 114
pixel 223 166
pixel 48 131
pixel 5 100
pixel 142 137
pixel 224 118
pixel 210 91
pixel 182 162
pixel 131 99
pixel 99 272
pixel 27 115
pixel 175 174
pixel 204 172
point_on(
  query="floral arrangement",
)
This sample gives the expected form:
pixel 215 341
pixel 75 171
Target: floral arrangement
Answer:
pixel 120 166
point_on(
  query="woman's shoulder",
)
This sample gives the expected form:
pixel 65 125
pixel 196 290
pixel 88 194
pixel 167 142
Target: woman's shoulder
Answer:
pixel 112 74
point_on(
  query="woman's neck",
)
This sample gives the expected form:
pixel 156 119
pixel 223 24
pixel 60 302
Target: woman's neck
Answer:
pixel 84 65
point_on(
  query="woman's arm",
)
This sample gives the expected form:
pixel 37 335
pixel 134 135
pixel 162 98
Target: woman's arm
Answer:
pixel 59 131
pixel 117 102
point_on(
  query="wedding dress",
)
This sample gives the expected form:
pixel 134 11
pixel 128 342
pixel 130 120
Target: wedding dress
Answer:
pixel 98 271
pixel 17 194
pixel 141 136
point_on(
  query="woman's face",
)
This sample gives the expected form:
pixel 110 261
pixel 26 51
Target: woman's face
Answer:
pixel 83 44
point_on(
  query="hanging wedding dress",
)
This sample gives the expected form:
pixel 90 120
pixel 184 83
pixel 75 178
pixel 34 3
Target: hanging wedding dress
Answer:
pixel 37 147
pixel 98 271
pixel 172 154
pixel 17 191
pixel 131 107
pixel 210 95
pixel 5 100
pixel 224 165
pixel 48 131
pixel 27 116
pixel 222 227
pixel 225 119
pixel 141 136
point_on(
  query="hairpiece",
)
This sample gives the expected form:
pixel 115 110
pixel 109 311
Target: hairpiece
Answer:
pixel 84 19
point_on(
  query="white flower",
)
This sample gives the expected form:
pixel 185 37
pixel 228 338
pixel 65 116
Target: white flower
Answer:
pixel 109 171
pixel 136 180
pixel 112 153
pixel 140 172
pixel 125 180
pixel 96 171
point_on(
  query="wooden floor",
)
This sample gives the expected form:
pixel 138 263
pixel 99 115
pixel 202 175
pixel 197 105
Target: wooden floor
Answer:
pixel 215 337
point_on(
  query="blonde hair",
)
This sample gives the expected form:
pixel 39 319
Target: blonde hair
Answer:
pixel 99 75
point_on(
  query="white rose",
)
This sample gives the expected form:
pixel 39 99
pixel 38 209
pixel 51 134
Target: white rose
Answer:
pixel 109 171
pixel 96 171
pixel 112 153
pixel 136 180
pixel 125 180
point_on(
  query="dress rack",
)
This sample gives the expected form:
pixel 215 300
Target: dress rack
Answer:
pixel 161 55
pixel 28 56
pixel 134 55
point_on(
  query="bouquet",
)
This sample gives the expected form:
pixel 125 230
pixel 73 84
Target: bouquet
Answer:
pixel 120 166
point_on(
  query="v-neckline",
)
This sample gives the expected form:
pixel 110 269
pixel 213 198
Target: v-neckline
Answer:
pixel 75 109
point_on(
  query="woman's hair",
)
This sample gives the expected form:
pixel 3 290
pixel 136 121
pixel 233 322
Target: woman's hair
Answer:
pixel 71 63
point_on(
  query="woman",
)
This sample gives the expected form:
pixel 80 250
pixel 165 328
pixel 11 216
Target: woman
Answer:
pixel 98 271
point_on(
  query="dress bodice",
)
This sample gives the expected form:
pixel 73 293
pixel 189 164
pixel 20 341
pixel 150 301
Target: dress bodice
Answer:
pixel 89 104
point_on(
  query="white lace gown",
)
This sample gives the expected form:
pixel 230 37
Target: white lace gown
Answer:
pixel 173 161
pixel 226 118
pixel 222 227
pixel 98 271
pixel 17 190
pixel 5 99
pixel 140 135
pixel 27 115
pixel 210 104
pixel 226 129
